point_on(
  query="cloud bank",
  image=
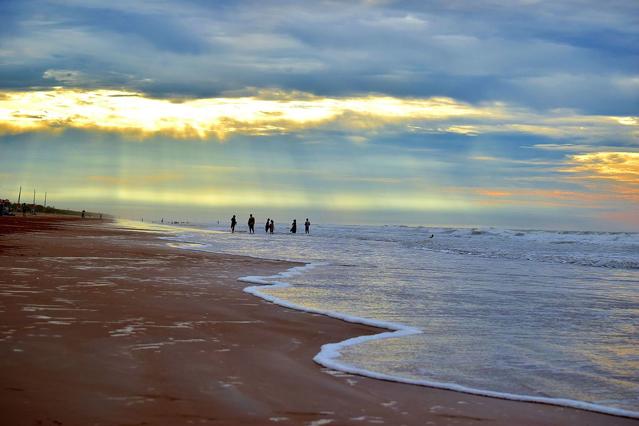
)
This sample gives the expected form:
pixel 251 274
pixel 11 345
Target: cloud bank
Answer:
pixel 578 54
pixel 280 112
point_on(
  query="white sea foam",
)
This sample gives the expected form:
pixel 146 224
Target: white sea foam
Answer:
pixel 398 330
pixel 330 353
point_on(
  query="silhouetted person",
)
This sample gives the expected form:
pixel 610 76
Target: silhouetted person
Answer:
pixel 24 209
pixel 268 225
pixel 271 227
pixel 294 227
pixel 251 224
pixel 84 212
pixel 233 223
pixel 307 227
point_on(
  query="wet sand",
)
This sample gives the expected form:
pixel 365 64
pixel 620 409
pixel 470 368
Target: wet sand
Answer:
pixel 102 326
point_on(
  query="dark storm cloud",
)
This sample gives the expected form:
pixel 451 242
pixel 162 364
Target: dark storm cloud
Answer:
pixel 540 54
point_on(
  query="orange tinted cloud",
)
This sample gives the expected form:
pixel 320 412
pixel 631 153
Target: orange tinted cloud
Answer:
pixel 594 198
pixel 615 166
pixel 615 174
pixel 494 193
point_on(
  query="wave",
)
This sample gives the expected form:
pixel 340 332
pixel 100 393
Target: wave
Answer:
pixel 591 260
pixel 615 250
pixel 611 250
pixel 330 353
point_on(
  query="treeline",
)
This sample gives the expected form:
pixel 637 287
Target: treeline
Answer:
pixel 16 209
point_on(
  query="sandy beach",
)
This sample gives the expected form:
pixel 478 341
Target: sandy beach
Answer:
pixel 105 326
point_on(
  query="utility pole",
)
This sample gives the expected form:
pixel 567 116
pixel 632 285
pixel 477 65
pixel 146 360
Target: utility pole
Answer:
pixel 19 194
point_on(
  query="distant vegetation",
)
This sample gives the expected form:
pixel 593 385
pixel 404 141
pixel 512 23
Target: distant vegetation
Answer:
pixel 16 209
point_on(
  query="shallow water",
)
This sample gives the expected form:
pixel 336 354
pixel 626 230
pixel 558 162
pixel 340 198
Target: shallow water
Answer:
pixel 519 312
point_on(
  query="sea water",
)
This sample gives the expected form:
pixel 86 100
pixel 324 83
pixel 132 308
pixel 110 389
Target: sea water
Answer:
pixel 522 314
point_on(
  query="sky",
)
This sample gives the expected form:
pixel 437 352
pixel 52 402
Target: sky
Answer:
pixel 518 113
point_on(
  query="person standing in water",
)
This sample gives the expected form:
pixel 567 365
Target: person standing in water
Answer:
pixel 268 225
pixel 307 227
pixel 251 224
pixel 233 223
pixel 271 227
pixel 294 227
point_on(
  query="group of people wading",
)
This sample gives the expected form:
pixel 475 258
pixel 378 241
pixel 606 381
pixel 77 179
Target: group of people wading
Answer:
pixel 269 227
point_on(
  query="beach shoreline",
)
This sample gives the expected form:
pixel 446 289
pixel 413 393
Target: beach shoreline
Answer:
pixel 102 325
pixel 330 353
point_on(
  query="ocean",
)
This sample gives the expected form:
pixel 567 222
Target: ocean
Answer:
pixel 548 316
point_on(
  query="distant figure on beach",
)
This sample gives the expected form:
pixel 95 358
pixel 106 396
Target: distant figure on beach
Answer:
pixel 84 212
pixel 268 225
pixel 162 221
pixel 24 209
pixel 307 227
pixel 233 223
pixel 251 224
pixel 294 227
pixel 100 216
pixel 271 227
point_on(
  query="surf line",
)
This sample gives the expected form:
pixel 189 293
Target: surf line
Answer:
pixel 330 352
